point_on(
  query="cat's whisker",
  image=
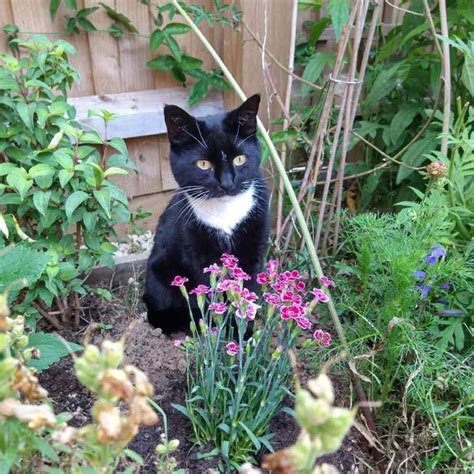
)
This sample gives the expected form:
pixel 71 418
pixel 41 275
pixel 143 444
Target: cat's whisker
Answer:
pixel 188 206
pixel 237 133
pixel 245 139
pixel 195 138
pixel 200 134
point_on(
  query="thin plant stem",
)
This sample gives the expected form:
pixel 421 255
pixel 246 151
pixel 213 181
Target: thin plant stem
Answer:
pixel 446 77
pixel 281 170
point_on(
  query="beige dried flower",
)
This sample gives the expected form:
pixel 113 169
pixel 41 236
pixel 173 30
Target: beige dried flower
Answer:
pixel 37 416
pixel 140 380
pixel 141 413
pixel 437 169
pixel 27 384
pixel 325 469
pixel 65 435
pixel 108 420
pixel 114 382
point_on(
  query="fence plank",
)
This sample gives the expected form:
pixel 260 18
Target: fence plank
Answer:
pixel 6 15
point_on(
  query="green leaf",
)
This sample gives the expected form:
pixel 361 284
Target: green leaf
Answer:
pixel 178 74
pixel 188 62
pixel 3 226
pixel 41 201
pixel 317 29
pixel 103 198
pixel 41 169
pixel 65 176
pixel 74 201
pixel 64 157
pixel 86 24
pixel 162 63
pixel 25 113
pixel 467 75
pixel 382 86
pixel 174 47
pixel 21 266
pixel 252 437
pixel 339 10
pixel 21 184
pixel 119 144
pixel 400 122
pixel 181 409
pixel 134 456
pixel 53 7
pixel 198 92
pixel 6 168
pixel 415 155
pixel 71 4
pixel 315 67
pixel 156 39
pixel 114 170
pixel 51 349
pixel 176 29
pixel 119 18
pixel 45 448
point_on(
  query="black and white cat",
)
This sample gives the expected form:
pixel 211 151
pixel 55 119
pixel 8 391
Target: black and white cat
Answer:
pixel 221 206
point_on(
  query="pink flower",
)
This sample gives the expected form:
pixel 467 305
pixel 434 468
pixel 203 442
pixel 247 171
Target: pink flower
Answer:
pixel 278 286
pixel 303 323
pixel 291 312
pixel 239 274
pixel 323 338
pixel 319 295
pixel 200 290
pixel 214 330
pixel 327 281
pixel 179 281
pixel 272 267
pixel 251 311
pixel 226 285
pixel 301 286
pixel 262 279
pixel 232 348
pixel 177 342
pixel 291 276
pixel 213 268
pixel 229 261
pixel 249 296
pixel 272 298
pixel 218 308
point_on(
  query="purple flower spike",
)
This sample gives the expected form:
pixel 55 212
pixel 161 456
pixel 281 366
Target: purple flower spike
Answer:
pixel 419 274
pixel 430 260
pixel 438 251
pixel 445 286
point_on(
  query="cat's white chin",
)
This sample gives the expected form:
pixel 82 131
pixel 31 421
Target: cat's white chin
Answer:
pixel 224 213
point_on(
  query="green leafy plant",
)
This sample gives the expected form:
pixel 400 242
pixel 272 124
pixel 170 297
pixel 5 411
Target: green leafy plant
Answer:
pixel 238 366
pixel 55 185
pixel 405 294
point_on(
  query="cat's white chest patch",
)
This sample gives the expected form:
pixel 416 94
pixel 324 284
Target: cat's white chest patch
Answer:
pixel 224 213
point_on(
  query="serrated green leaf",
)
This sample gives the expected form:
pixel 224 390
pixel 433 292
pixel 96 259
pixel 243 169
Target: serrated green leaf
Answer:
pixel 162 63
pixel 198 92
pixel 74 201
pixel 51 349
pixel 188 62
pixel 382 86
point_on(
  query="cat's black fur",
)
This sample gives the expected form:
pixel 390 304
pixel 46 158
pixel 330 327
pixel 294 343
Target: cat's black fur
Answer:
pixel 183 244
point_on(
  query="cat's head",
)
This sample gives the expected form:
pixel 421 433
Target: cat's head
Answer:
pixel 217 155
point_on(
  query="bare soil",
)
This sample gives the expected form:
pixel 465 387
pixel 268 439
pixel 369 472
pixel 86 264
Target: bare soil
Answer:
pixel 154 353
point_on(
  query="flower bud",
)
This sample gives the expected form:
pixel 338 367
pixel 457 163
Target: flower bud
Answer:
pixel 91 354
pixel 339 422
pixel 113 353
pixel 161 449
pixel 173 445
pixel 311 413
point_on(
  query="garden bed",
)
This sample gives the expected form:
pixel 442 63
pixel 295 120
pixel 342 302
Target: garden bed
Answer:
pixel 150 350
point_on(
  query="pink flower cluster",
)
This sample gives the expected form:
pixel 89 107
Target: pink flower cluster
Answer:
pixel 285 291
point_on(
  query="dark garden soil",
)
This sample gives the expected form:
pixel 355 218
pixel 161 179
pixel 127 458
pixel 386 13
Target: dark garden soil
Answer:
pixel 164 364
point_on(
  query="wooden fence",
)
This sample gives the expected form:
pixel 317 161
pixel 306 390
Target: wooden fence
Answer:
pixel 115 75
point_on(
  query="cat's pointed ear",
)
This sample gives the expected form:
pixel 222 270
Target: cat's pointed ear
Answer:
pixel 243 120
pixel 181 126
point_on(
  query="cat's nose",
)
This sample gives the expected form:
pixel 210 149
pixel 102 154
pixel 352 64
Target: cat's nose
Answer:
pixel 226 182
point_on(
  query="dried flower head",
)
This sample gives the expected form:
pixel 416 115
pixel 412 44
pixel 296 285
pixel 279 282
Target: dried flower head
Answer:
pixel 36 416
pixel 27 384
pixel 437 170
pixel 115 383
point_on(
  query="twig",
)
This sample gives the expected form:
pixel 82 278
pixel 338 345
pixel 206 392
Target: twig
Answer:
pixel 77 309
pixel 446 77
pixel 286 121
pixel 49 317
pixel 403 9
pixel 277 62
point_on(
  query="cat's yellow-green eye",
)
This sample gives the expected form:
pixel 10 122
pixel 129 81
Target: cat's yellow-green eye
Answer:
pixel 239 160
pixel 204 164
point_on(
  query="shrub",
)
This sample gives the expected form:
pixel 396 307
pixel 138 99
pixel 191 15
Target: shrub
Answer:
pixel 34 439
pixel 238 364
pixel 55 187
